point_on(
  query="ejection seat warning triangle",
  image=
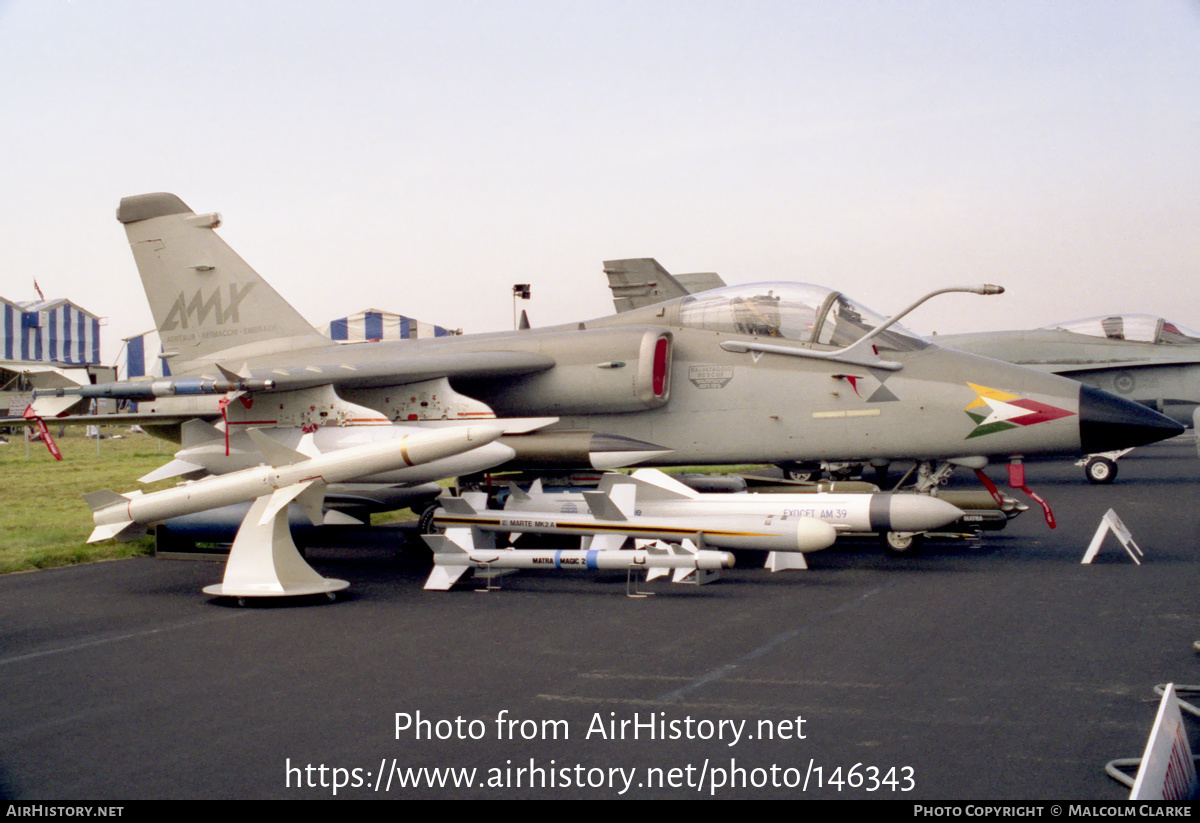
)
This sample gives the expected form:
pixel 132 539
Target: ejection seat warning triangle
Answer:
pixel 1110 522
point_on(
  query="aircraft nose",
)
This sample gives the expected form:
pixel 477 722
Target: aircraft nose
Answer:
pixel 1108 422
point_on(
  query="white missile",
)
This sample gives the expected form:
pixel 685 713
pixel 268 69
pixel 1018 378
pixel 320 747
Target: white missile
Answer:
pixel 290 476
pixel 726 531
pixel 451 560
pixel 205 449
pixel 649 504
pixel 650 493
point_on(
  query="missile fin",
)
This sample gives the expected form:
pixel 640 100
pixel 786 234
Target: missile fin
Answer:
pixel 176 468
pixel 456 505
pixel 53 378
pixel 275 453
pixel 442 578
pixel 312 501
pixel 781 561
pixel 103 499
pixel 47 407
pixel 454 541
pixel 104 532
pixel 603 542
pixel 515 493
pixel 124 532
pixel 463 539
pixel 231 376
pixel 439 544
pixel 656 485
pixel 655 573
pixel 535 487
pixel 603 507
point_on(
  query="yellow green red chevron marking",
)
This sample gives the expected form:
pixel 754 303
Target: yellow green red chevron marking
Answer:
pixel 996 411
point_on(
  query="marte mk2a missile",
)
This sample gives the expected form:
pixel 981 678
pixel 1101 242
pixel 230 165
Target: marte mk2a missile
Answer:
pixel 607 528
pixel 290 476
pixel 451 560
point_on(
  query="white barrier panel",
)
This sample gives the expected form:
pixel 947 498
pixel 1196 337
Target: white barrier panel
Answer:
pixel 1110 522
pixel 1167 772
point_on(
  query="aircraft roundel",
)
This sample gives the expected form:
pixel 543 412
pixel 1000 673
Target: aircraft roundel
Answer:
pixel 997 411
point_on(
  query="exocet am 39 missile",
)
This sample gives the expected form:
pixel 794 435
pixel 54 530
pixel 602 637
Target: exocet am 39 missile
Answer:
pixel 451 560
pixel 291 476
pixel 649 492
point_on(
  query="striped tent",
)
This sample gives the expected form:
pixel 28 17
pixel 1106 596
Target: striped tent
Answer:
pixel 373 324
pixel 140 356
pixel 49 331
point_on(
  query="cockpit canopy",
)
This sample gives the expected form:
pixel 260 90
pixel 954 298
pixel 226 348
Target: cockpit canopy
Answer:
pixel 801 312
pixel 1140 328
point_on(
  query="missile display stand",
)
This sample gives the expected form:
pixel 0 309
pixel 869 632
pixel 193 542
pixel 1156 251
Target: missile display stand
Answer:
pixel 264 561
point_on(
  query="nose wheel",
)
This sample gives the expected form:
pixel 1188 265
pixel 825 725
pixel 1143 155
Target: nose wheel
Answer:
pixel 1100 470
pixel 901 544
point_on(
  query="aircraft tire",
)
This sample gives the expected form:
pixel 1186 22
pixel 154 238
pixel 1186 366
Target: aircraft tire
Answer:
pixel 425 521
pixel 899 544
pixel 801 472
pixel 1100 470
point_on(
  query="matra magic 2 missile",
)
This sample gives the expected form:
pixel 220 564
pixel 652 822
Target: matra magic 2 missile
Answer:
pixel 451 560
pixel 650 504
pixel 290 476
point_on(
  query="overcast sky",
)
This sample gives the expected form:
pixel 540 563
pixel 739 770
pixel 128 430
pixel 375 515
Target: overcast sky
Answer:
pixel 422 157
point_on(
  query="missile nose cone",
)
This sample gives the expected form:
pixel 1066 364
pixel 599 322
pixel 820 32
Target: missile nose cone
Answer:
pixel 1108 422
pixel 920 512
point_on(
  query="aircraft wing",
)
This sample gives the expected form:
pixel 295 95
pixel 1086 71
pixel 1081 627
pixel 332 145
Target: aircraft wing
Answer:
pixel 352 366
pixel 120 419
pixel 1067 353
pixel 1117 365
pixel 349 367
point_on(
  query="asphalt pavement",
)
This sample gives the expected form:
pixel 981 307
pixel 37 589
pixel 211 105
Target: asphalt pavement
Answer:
pixel 1005 671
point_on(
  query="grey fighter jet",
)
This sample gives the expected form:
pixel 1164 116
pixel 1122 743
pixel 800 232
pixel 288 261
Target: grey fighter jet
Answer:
pixel 1140 357
pixel 767 372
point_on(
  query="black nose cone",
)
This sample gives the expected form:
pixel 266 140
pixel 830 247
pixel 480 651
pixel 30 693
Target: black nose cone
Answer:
pixel 1108 422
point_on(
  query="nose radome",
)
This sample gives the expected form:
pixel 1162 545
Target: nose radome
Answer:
pixel 1108 422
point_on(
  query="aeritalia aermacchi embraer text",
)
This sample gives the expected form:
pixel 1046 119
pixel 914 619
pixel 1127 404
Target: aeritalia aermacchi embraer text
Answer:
pixel 770 372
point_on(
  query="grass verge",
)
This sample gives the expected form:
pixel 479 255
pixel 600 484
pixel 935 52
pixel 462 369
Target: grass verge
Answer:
pixel 43 519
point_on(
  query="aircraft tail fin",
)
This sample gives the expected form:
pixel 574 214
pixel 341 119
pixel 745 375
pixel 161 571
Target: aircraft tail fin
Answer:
pixel 204 297
pixel 642 281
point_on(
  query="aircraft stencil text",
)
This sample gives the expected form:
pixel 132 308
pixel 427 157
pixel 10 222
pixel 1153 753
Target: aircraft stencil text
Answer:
pixel 198 308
